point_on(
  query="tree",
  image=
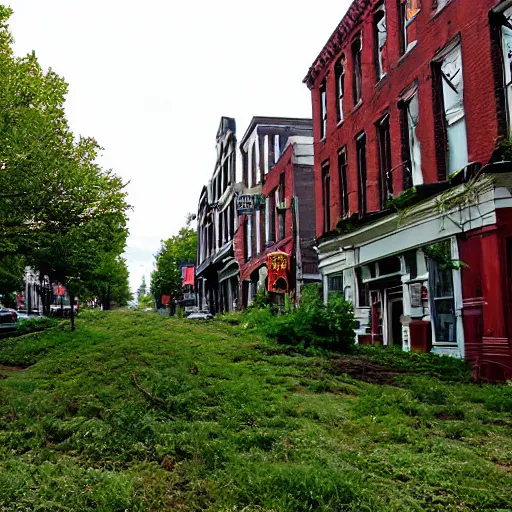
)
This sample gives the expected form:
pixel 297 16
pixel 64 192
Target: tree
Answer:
pixel 175 252
pixel 58 208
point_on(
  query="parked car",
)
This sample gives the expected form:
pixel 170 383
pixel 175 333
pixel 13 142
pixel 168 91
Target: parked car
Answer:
pixel 8 318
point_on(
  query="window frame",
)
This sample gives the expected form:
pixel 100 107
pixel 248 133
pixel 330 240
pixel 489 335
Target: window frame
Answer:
pixel 362 173
pixel 383 127
pixel 379 16
pixel 339 72
pixel 342 180
pixel 326 195
pixel 357 69
pixel 323 109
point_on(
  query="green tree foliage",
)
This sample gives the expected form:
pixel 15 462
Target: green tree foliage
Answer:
pixel 58 208
pixel 176 251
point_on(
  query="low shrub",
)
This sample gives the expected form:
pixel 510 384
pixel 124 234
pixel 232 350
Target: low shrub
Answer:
pixel 312 324
pixel 36 325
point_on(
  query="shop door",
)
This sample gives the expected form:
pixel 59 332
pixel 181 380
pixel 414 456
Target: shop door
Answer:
pixel 395 310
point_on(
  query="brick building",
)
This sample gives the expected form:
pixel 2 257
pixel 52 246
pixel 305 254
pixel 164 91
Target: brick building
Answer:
pixel 414 220
pixel 277 210
pixel 217 270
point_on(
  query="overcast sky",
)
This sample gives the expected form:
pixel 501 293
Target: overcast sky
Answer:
pixel 150 81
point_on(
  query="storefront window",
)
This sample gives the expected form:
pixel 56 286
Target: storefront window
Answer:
pixel 442 302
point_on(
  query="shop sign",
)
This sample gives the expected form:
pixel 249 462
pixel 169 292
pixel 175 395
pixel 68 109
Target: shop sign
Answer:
pixel 247 203
pixel 278 265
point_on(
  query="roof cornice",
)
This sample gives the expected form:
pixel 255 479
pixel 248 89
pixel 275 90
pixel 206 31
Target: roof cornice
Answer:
pixel 336 41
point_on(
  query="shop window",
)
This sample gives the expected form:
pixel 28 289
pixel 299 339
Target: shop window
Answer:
pixel 506 44
pixel 357 80
pixel 389 266
pixel 411 149
pixel 342 170
pixel 384 146
pixel 442 303
pixel 363 290
pixel 339 71
pixel 380 38
pixel 326 196
pixel 450 90
pixel 361 170
pixel 323 110
pixel 335 284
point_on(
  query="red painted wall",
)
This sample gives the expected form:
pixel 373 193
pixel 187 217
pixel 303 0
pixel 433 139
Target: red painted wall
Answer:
pixel 284 165
pixel 470 19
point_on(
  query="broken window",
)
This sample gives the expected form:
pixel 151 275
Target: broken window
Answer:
pixel 357 81
pixel 506 43
pixel 342 170
pixel 381 35
pixel 408 11
pixel 361 170
pixel 449 67
pixel 442 303
pixel 323 110
pixel 411 150
pixel 340 88
pixel 385 176
pixel 326 196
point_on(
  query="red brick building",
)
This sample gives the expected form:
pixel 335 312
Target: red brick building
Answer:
pixel 410 100
pixel 276 209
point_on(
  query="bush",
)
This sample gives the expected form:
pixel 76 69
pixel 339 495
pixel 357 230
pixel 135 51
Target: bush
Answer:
pixel 36 324
pixel 311 324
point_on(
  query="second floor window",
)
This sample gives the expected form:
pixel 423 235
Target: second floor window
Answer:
pixel 506 43
pixel 342 170
pixel 326 196
pixel 357 79
pixel 323 110
pixel 340 88
pixel 385 176
pixel 450 93
pixel 381 35
pixel 361 171
pixel 411 149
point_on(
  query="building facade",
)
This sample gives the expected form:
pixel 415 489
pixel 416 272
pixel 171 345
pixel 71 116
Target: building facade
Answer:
pixel 411 99
pixel 217 271
pixel 275 238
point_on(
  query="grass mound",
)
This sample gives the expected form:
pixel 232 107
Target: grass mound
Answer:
pixel 138 412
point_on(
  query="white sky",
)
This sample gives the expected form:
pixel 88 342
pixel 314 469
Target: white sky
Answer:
pixel 151 80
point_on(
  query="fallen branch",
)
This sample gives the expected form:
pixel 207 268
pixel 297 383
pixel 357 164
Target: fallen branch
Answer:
pixel 148 395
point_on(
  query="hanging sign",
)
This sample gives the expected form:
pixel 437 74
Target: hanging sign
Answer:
pixel 247 203
pixel 278 264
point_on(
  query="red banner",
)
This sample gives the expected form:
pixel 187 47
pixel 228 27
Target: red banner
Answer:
pixel 188 275
pixel 278 264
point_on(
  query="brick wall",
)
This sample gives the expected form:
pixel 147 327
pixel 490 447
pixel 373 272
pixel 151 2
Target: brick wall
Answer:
pixel 467 18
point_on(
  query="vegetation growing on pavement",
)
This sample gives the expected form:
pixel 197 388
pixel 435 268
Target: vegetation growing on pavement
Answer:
pixel 134 411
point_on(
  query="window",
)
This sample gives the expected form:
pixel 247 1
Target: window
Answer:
pixel 326 196
pixel 380 37
pixel 270 218
pixel 254 165
pixel 385 176
pixel 361 169
pixel 282 206
pixel 450 90
pixel 323 110
pixel 411 150
pixel 282 224
pixel 339 71
pixel 442 304
pixel 257 238
pixel 363 291
pixel 441 4
pixel 408 11
pixel 266 154
pixel 342 170
pixel 506 43
pixel 357 80
pixel 335 284
pixel 277 149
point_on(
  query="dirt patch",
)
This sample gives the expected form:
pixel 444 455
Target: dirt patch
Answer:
pixel 362 369
pixel 6 370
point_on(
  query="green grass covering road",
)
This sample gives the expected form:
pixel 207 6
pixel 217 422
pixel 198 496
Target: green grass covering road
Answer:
pixel 138 412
